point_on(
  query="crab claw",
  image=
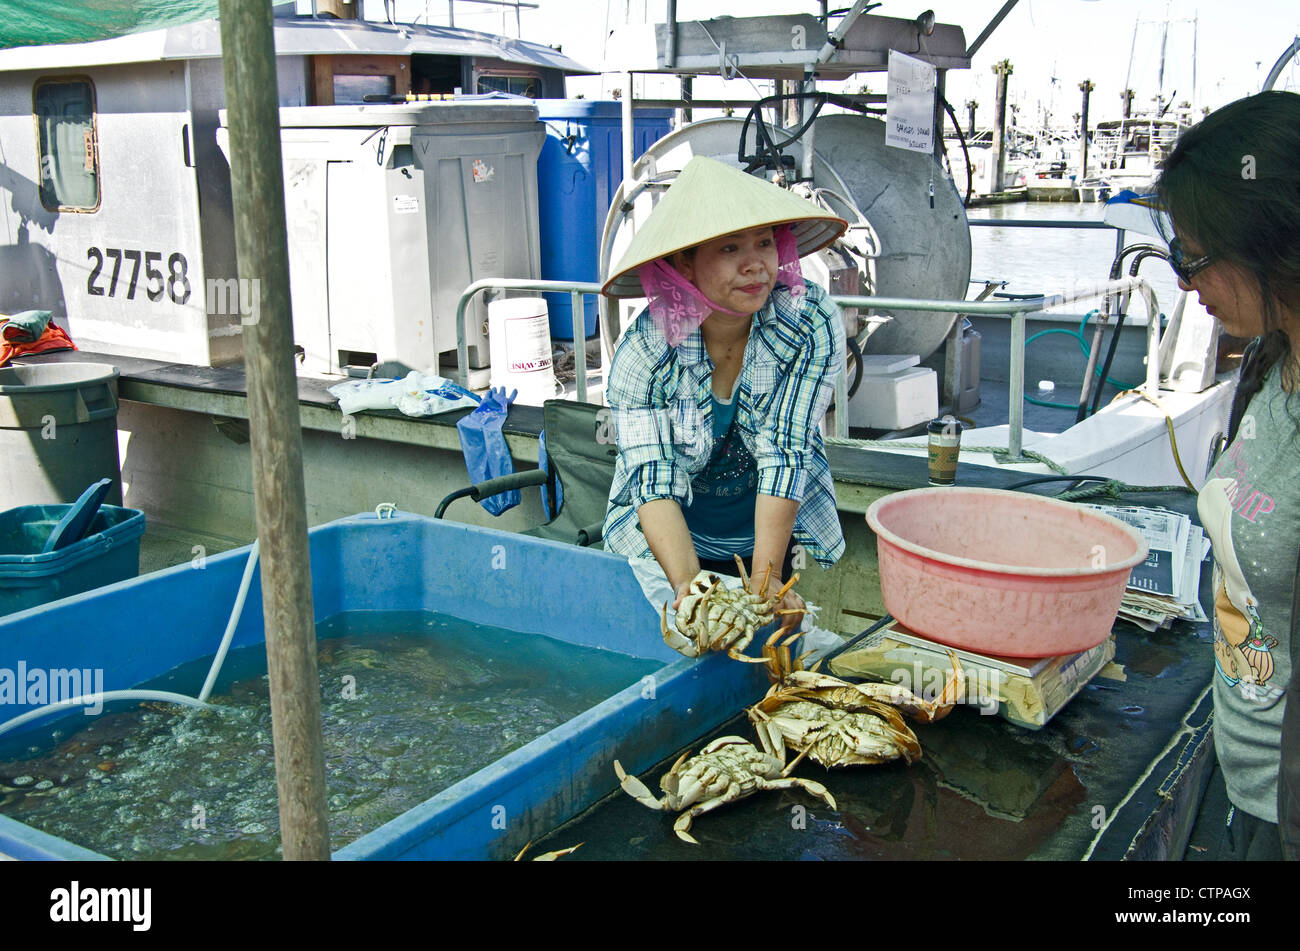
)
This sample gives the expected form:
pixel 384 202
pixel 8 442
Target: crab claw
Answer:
pixel 675 639
pixel 637 789
pixel 548 856
pixel 682 828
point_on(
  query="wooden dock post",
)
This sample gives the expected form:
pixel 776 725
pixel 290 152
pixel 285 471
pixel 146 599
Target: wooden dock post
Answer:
pixel 1086 87
pixel 1003 70
pixel 279 497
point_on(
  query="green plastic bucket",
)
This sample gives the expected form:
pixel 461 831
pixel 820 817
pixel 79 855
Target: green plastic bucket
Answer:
pixel 110 552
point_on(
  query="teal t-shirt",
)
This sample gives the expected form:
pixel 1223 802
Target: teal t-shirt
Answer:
pixel 721 514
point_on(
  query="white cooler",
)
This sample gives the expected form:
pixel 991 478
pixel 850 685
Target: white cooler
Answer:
pixel 895 393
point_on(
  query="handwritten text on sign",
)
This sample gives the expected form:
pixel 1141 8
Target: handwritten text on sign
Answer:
pixel 909 110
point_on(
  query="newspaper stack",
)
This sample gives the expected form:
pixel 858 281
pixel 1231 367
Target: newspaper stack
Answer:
pixel 1163 587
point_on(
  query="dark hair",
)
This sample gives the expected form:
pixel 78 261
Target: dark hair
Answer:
pixel 1232 185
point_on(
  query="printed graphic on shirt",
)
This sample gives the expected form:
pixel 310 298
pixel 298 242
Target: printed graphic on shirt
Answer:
pixel 1242 651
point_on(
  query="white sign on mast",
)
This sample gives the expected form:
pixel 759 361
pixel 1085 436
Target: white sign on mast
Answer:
pixel 909 107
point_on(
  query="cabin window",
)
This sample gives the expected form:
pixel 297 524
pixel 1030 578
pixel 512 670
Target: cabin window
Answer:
pixel 515 85
pixel 348 80
pixel 353 90
pixel 66 147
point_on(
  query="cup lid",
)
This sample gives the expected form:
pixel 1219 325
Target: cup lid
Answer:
pixel 945 425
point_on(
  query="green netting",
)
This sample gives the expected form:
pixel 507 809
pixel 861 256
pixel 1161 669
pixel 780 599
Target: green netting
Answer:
pixel 38 22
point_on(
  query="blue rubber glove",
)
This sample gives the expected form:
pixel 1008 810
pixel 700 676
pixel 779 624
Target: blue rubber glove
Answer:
pixel 484 446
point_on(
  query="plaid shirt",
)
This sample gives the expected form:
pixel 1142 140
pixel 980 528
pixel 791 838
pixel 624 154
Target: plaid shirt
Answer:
pixel 660 397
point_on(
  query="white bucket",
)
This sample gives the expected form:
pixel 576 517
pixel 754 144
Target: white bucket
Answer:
pixel 519 333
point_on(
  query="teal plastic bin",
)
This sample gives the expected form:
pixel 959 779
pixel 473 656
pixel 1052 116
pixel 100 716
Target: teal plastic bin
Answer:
pixel 110 552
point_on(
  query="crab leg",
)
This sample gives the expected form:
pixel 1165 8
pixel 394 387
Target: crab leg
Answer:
pixel 744 575
pixel 794 782
pixel 788 585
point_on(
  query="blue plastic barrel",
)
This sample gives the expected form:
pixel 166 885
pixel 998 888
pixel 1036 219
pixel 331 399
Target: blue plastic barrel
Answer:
pixel 578 172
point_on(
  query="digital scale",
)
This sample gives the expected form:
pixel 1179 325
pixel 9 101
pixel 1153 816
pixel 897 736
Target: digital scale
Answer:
pixel 1026 691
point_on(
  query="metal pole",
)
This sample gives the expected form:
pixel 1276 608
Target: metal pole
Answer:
pixel 809 85
pixel 988 30
pixel 1016 390
pixel 670 57
pixel 279 498
pixel 1276 71
pixel 627 129
pixel 578 313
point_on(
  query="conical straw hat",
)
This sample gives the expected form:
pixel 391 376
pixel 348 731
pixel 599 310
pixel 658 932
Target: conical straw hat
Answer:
pixel 709 200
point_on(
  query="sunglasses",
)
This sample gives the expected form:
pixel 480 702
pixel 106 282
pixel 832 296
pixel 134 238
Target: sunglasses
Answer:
pixel 1185 269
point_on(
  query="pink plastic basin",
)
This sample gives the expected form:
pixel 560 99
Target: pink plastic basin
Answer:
pixel 1002 572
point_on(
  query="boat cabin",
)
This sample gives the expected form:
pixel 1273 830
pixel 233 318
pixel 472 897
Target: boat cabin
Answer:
pixel 115 194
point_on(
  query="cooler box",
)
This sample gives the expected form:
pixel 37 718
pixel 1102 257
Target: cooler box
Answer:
pixel 110 552
pixel 894 393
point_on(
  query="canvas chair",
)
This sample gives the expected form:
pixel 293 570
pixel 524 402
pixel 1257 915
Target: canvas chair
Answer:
pixel 580 451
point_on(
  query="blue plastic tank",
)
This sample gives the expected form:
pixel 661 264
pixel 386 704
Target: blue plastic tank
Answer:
pixel 578 172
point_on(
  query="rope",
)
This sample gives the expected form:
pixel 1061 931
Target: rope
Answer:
pixel 1169 426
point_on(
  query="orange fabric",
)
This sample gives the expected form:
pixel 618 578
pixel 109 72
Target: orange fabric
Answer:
pixel 54 338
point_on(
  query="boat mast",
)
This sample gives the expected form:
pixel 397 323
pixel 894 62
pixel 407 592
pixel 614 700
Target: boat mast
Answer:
pixel 1160 79
pixel 1128 75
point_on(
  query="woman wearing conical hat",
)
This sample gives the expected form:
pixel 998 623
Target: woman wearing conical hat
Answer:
pixel 719 385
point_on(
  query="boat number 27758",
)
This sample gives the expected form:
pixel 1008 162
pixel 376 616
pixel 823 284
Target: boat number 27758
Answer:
pixel 107 275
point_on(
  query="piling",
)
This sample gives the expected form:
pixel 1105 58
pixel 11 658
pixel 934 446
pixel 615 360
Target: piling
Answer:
pixel 1002 70
pixel 1127 95
pixel 279 497
pixel 1086 87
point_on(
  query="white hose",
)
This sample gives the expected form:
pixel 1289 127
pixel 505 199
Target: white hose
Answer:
pixel 235 614
pixel 98 699
pixel 93 699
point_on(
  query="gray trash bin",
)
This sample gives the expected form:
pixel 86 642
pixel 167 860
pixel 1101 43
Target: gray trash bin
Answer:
pixel 58 432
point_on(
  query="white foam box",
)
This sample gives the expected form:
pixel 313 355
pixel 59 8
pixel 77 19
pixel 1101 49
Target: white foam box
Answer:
pixel 895 399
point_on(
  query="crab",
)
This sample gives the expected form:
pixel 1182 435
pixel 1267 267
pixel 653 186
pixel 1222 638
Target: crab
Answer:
pixel 838 723
pixel 728 769
pixel 714 618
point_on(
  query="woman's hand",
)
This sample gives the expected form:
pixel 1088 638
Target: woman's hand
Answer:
pixel 683 589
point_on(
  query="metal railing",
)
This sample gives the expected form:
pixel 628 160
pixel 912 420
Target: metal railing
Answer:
pixel 1017 310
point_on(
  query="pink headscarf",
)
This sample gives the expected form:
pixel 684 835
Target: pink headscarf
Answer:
pixel 678 306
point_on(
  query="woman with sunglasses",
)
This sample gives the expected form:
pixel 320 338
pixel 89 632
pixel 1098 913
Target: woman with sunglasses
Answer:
pixel 1231 188
pixel 718 387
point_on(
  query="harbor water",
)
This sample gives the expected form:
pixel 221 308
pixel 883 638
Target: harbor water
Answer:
pixel 1054 260
pixel 411 703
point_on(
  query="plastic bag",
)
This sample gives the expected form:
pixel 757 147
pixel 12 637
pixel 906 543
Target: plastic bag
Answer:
pixel 430 394
pixel 484 446
pixel 416 395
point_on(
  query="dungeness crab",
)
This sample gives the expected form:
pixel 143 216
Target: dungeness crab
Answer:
pixel 838 723
pixel 728 769
pixel 715 618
